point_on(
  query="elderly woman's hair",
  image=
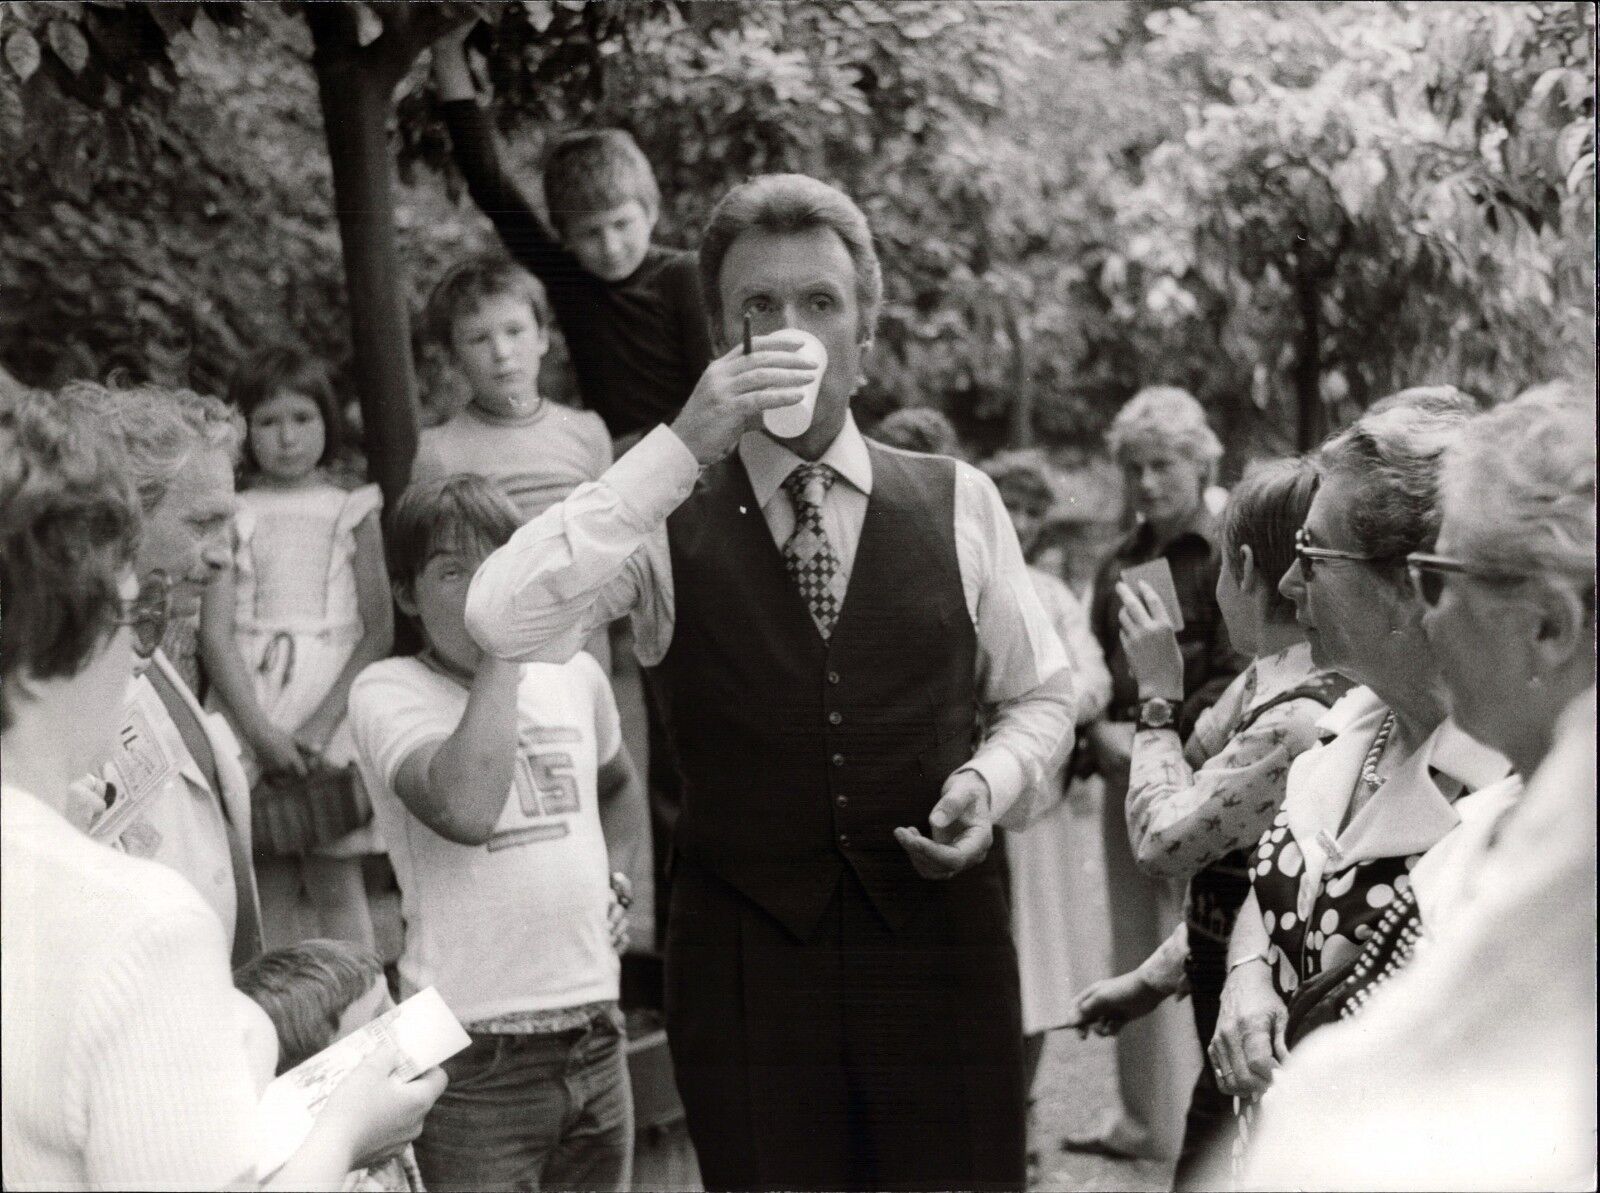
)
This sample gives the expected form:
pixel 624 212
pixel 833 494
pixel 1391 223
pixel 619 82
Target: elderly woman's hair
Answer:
pixel 788 203
pixel 919 429
pixel 69 527
pixel 1169 417
pixel 1520 484
pixel 1021 476
pixel 160 429
pixel 1265 509
pixel 1434 399
pixel 1393 458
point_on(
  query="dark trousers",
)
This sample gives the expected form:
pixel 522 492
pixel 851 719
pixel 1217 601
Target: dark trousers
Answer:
pixel 862 1058
pixel 1209 1124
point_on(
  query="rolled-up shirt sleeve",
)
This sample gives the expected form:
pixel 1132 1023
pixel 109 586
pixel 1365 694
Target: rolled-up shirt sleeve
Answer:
pixel 598 555
pixel 1023 677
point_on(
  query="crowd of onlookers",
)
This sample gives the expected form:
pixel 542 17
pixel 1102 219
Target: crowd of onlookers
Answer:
pixel 1336 723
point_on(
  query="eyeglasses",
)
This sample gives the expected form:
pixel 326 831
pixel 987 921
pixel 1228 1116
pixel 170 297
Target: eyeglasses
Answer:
pixel 1306 554
pixel 146 614
pixel 1427 574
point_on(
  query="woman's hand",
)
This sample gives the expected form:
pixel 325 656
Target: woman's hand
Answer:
pixel 1149 642
pixel 1249 1043
pixel 1108 1004
pixel 376 1111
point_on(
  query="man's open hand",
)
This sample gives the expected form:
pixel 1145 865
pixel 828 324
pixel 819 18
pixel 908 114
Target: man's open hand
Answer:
pixel 961 829
pixel 736 389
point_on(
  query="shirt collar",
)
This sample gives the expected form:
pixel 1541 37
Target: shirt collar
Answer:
pixel 768 462
pixel 1464 758
pixel 1202 528
pixel 1278 673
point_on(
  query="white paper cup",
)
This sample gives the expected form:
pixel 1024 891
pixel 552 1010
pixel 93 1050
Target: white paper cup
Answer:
pixel 788 422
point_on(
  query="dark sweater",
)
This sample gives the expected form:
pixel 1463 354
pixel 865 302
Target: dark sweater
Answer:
pixel 638 345
pixel 1209 661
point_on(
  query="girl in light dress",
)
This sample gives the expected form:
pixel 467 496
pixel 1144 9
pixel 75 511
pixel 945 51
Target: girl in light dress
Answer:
pixel 303 610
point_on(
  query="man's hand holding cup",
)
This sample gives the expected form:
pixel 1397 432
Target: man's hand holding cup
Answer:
pixel 737 388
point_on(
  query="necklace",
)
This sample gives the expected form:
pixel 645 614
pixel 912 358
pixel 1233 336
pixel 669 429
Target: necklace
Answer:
pixel 1380 743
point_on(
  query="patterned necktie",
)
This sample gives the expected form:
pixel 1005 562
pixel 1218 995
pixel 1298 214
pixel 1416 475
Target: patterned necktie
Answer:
pixel 808 554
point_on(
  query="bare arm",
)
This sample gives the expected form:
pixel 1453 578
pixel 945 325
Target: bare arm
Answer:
pixel 494 191
pixel 616 779
pixel 225 667
pixel 459 787
pixel 450 74
pixel 373 602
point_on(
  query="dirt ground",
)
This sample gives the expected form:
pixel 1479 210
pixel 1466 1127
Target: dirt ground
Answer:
pixel 1077 1078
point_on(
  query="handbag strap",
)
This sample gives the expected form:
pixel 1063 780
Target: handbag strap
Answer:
pixel 1325 689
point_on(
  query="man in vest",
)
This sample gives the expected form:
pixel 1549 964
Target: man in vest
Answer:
pixel 827 620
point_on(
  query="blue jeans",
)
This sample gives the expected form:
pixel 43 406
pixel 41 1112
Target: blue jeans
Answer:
pixel 529 1112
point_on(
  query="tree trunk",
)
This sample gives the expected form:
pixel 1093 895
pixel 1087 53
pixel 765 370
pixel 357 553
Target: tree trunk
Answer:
pixel 356 101
pixel 1021 430
pixel 1308 358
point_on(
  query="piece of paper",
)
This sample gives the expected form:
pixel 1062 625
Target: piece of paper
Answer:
pixel 1158 574
pixel 141 763
pixel 421 1032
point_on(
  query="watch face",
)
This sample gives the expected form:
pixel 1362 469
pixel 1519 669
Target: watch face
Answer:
pixel 1157 714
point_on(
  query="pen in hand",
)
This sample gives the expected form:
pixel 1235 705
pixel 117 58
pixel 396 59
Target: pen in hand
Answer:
pixel 747 333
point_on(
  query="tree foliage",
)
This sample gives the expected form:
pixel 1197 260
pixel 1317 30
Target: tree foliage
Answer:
pixel 1371 196
pixel 1288 208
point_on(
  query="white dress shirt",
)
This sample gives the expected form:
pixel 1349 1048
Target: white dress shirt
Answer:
pixel 603 554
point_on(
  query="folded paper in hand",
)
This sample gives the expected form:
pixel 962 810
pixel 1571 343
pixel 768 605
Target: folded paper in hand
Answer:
pixel 1158 574
pixel 420 1033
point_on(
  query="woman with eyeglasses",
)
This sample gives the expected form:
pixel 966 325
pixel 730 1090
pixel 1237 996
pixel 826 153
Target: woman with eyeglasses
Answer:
pixel 1364 806
pixel 122 1049
pixel 1473 1067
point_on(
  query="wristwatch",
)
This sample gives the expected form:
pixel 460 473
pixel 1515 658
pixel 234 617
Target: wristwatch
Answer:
pixel 1157 713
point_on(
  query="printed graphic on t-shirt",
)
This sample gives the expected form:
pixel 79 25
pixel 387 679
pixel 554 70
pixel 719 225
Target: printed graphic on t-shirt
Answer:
pixel 545 786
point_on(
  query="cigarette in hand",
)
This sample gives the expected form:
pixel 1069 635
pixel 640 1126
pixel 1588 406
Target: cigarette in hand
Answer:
pixel 747 333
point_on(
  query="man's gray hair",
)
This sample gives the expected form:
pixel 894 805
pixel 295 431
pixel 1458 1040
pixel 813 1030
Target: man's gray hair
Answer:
pixel 1520 485
pixel 1393 456
pixel 160 429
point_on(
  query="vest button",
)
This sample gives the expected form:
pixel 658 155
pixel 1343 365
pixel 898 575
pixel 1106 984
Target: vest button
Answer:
pixel 844 841
pixel 833 677
pixel 835 718
pixel 838 760
pixel 841 800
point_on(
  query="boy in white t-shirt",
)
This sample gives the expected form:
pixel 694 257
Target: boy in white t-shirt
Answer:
pixel 486 780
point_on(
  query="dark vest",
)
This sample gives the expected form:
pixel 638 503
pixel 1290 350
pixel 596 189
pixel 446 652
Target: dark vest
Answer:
pixel 799 756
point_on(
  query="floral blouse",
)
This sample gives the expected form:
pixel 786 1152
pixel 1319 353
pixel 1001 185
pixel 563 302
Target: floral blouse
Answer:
pixel 1189 807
